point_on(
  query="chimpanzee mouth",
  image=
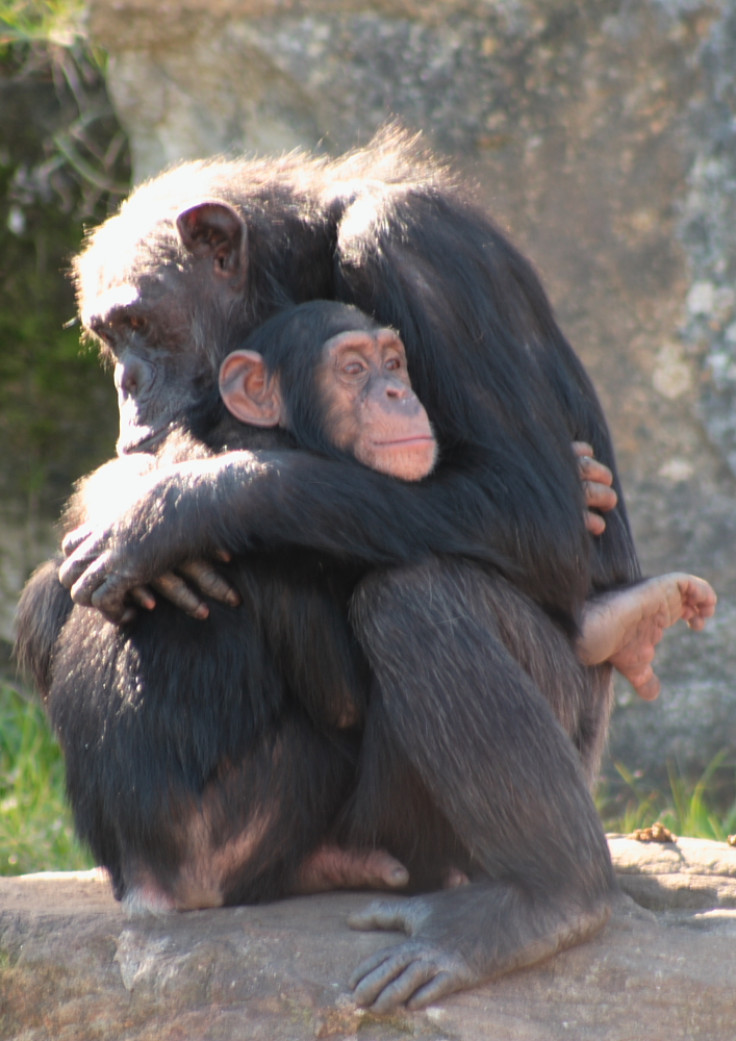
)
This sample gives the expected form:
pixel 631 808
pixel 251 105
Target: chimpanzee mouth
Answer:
pixel 146 441
pixel 419 440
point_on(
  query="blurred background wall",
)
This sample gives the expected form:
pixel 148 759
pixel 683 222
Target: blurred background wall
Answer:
pixel 602 136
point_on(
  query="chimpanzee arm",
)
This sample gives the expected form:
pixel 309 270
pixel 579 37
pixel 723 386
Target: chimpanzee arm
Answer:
pixel 242 502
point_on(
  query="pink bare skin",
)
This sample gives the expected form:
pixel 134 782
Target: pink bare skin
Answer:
pixel 331 867
pixel 370 408
pixel 624 627
pixel 597 480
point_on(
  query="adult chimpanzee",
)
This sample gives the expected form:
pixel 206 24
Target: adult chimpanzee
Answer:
pixel 285 673
pixel 465 744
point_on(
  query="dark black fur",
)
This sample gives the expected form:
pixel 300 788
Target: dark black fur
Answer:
pixel 475 713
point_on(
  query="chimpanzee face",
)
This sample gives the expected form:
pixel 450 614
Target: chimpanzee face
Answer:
pixel 369 405
pixel 155 304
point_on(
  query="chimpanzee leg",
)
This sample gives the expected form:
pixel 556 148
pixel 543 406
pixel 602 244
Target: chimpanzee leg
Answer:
pixel 194 774
pixel 581 697
pixel 245 838
pixel 486 744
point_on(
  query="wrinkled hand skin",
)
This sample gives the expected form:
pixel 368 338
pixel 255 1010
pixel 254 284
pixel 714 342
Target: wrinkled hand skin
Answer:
pixel 500 931
pixel 151 538
pixel 103 566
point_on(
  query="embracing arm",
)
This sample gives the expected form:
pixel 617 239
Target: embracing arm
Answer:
pixel 243 502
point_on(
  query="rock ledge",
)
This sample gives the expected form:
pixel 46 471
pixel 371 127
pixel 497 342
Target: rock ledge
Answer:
pixel 73 968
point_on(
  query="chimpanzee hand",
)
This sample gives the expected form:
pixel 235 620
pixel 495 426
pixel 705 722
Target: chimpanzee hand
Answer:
pixel 98 576
pixel 597 480
pixel 185 586
pixel 101 570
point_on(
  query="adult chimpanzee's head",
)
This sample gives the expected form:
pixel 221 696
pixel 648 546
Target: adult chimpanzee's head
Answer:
pixel 196 256
pixel 336 380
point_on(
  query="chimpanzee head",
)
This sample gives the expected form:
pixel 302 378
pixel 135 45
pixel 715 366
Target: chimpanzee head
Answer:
pixel 338 382
pixel 196 256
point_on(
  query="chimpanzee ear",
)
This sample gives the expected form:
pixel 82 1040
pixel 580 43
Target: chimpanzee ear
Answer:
pixel 217 230
pixel 250 393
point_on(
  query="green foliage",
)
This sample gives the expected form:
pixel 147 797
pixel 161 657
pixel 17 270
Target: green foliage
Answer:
pixel 63 160
pixel 24 20
pixel 35 823
pixel 705 808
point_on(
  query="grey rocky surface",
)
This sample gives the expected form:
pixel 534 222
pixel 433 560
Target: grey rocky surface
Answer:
pixel 73 968
pixel 602 137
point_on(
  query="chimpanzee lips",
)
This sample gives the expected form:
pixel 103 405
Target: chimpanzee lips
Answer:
pixel 146 440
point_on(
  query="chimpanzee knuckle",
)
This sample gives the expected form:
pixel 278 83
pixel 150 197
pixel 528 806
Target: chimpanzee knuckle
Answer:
pixel 439 987
pixel 109 597
pixel 83 589
pixel 74 539
pixel 72 570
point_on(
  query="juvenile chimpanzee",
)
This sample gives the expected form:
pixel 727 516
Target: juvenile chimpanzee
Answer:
pixel 332 377
pixel 336 380
pixel 479 748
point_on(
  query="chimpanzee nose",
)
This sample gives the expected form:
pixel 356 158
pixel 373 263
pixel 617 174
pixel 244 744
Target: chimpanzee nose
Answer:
pixel 129 378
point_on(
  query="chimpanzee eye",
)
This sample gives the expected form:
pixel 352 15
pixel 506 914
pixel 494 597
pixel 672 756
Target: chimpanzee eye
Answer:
pixel 393 364
pixel 353 368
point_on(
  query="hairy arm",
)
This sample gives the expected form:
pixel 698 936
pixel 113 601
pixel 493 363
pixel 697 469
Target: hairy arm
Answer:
pixel 243 502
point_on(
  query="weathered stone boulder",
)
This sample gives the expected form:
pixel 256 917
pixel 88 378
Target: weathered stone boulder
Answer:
pixel 602 135
pixel 73 968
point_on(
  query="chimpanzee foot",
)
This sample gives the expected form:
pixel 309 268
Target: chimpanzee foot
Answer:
pixel 459 938
pixel 331 867
pixel 624 627
pixel 414 974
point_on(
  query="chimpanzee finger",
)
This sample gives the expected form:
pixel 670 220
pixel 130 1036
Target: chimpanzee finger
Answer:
pixel 209 581
pixel 589 465
pixel 76 566
pixel 599 496
pixel 594 523
pixel 91 583
pixel 75 539
pixel 175 589
pixel 108 597
pixel 143 596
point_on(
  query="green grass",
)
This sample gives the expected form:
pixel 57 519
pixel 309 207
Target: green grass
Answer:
pixel 35 823
pixel 703 809
pixel 57 20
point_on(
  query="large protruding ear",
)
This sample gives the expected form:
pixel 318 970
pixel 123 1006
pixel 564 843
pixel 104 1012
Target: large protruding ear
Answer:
pixel 217 230
pixel 249 391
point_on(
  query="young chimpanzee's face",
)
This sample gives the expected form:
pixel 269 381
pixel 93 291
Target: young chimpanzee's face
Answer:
pixel 359 380
pixel 371 410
